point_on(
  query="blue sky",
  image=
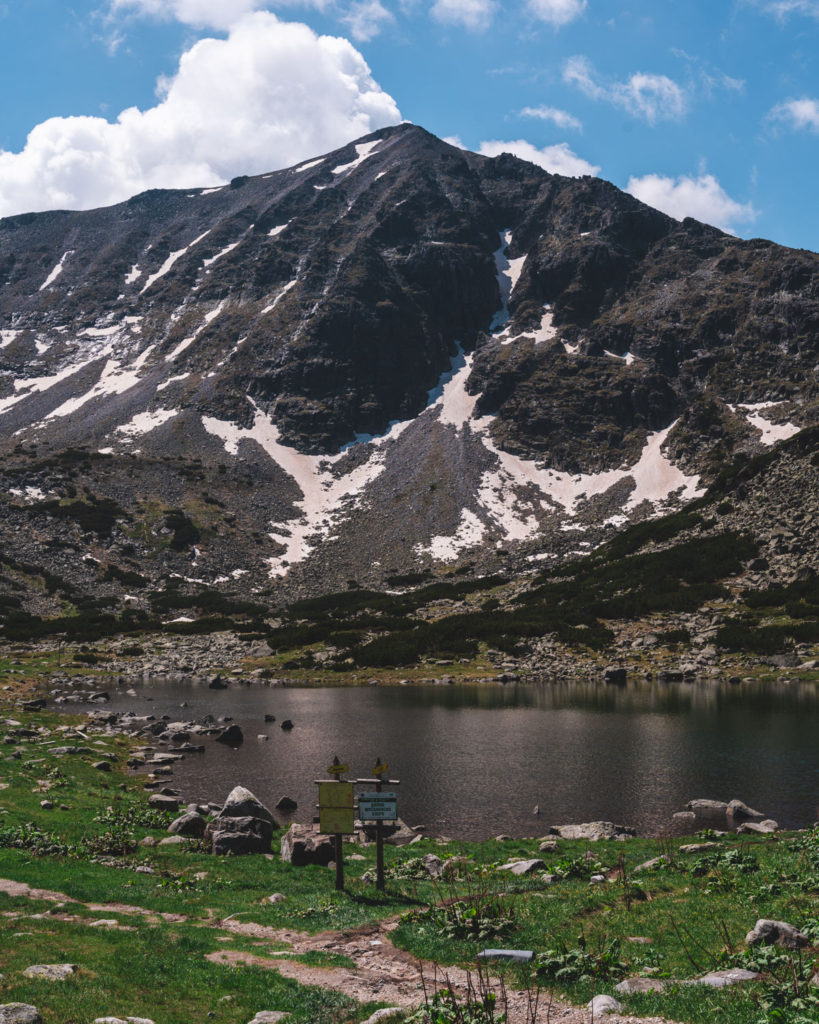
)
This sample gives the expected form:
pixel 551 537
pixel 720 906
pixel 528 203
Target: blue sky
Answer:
pixel 702 108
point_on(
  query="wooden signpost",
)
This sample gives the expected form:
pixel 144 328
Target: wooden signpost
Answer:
pixel 336 812
pixel 379 807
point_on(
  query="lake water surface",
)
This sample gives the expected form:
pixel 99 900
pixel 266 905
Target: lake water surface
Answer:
pixel 474 761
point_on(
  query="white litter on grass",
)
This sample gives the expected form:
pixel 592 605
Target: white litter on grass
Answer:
pixel 145 422
pixel 133 274
pixel 771 432
pixel 7 337
pixel 447 549
pixel 278 229
pixel 55 273
pixel 169 262
pixel 307 166
pixel 187 342
pixel 223 252
pixel 363 150
pixel 325 498
pixel 271 306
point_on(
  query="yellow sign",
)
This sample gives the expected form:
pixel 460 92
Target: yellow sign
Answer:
pixel 338 769
pixel 337 820
pixel 380 769
pixel 335 794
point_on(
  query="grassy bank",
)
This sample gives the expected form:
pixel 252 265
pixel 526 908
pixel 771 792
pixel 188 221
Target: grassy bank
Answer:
pixel 168 907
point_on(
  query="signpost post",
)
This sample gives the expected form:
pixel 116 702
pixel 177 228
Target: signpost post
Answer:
pixel 379 806
pixel 336 812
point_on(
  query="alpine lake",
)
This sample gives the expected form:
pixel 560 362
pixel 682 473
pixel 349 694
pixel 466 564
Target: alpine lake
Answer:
pixel 475 761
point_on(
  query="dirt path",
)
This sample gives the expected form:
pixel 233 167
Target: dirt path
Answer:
pixel 381 973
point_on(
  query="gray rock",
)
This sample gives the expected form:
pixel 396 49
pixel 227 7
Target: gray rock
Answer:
pixel 548 846
pixel 51 972
pixel 190 824
pixel 239 835
pixel 601 1005
pixel 593 831
pixel 760 827
pixel 102 766
pixel 241 803
pixel 641 985
pixel 301 845
pixel 19 1013
pixel 710 810
pixel 523 867
pixel 698 847
pixel 173 841
pixel 742 812
pixel 776 933
pixel 648 865
pixel 387 1014
pixel 286 803
pixel 232 736
pixel 163 802
pixel 268 1017
pixel 433 864
pixel 722 979
pixel 122 1020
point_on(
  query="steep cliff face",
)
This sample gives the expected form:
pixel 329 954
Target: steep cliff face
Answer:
pixel 398 354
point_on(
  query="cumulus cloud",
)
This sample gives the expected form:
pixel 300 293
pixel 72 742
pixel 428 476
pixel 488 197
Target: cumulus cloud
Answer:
pixel 366 18
pixel 702 198
pixel 561 118
pixel 799 114
pixel 219 14
pixel 557 12
pixel 557 159
pixel 271 94
pixel 654 97
pixel 475 15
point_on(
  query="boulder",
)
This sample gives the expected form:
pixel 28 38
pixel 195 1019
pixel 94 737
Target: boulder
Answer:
pixel 19 1013
pixel 190 824
pixel 51 972
pixel 163 803
pixel 241 803
pixel 593 831
pixel 776 933
pixel 287 725
pixel 630 985
pixel 302 845
pixel 722 979
pixel 649 865
pixel 239 835
pixel 523 867
pixel 433 864
pixel 708 810
pixel 615 676
pixel 761 827
pixel 742 812
pixel 286 803
pixel 269 1017
pixel 232 736
pixel 604 1004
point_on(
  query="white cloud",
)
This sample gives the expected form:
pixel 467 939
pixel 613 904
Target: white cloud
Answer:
pixel 472 14
pixel 799 114
pixel 271 94
pixel 557 12
pixel 366 19
pixel 557 159
pixel 782 8
pixel 219 14
pixel 654 97
pixel 559 117
pixel 702 198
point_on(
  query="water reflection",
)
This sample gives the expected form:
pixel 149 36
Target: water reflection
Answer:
pixel 474 761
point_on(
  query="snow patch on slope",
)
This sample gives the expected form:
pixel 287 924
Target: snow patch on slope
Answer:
pixel 771 432
pixel 55 273
pixel 363 150
pixel 447 549
pixel 145 422
pixel 169 262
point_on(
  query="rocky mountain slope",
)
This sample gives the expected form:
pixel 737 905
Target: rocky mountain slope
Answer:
pixel 396 358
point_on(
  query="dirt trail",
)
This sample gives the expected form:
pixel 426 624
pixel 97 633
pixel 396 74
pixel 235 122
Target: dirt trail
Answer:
pixel 382 973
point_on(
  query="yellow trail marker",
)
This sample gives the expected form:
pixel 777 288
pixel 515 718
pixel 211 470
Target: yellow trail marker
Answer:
pixel 338 769
pixel 380 769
